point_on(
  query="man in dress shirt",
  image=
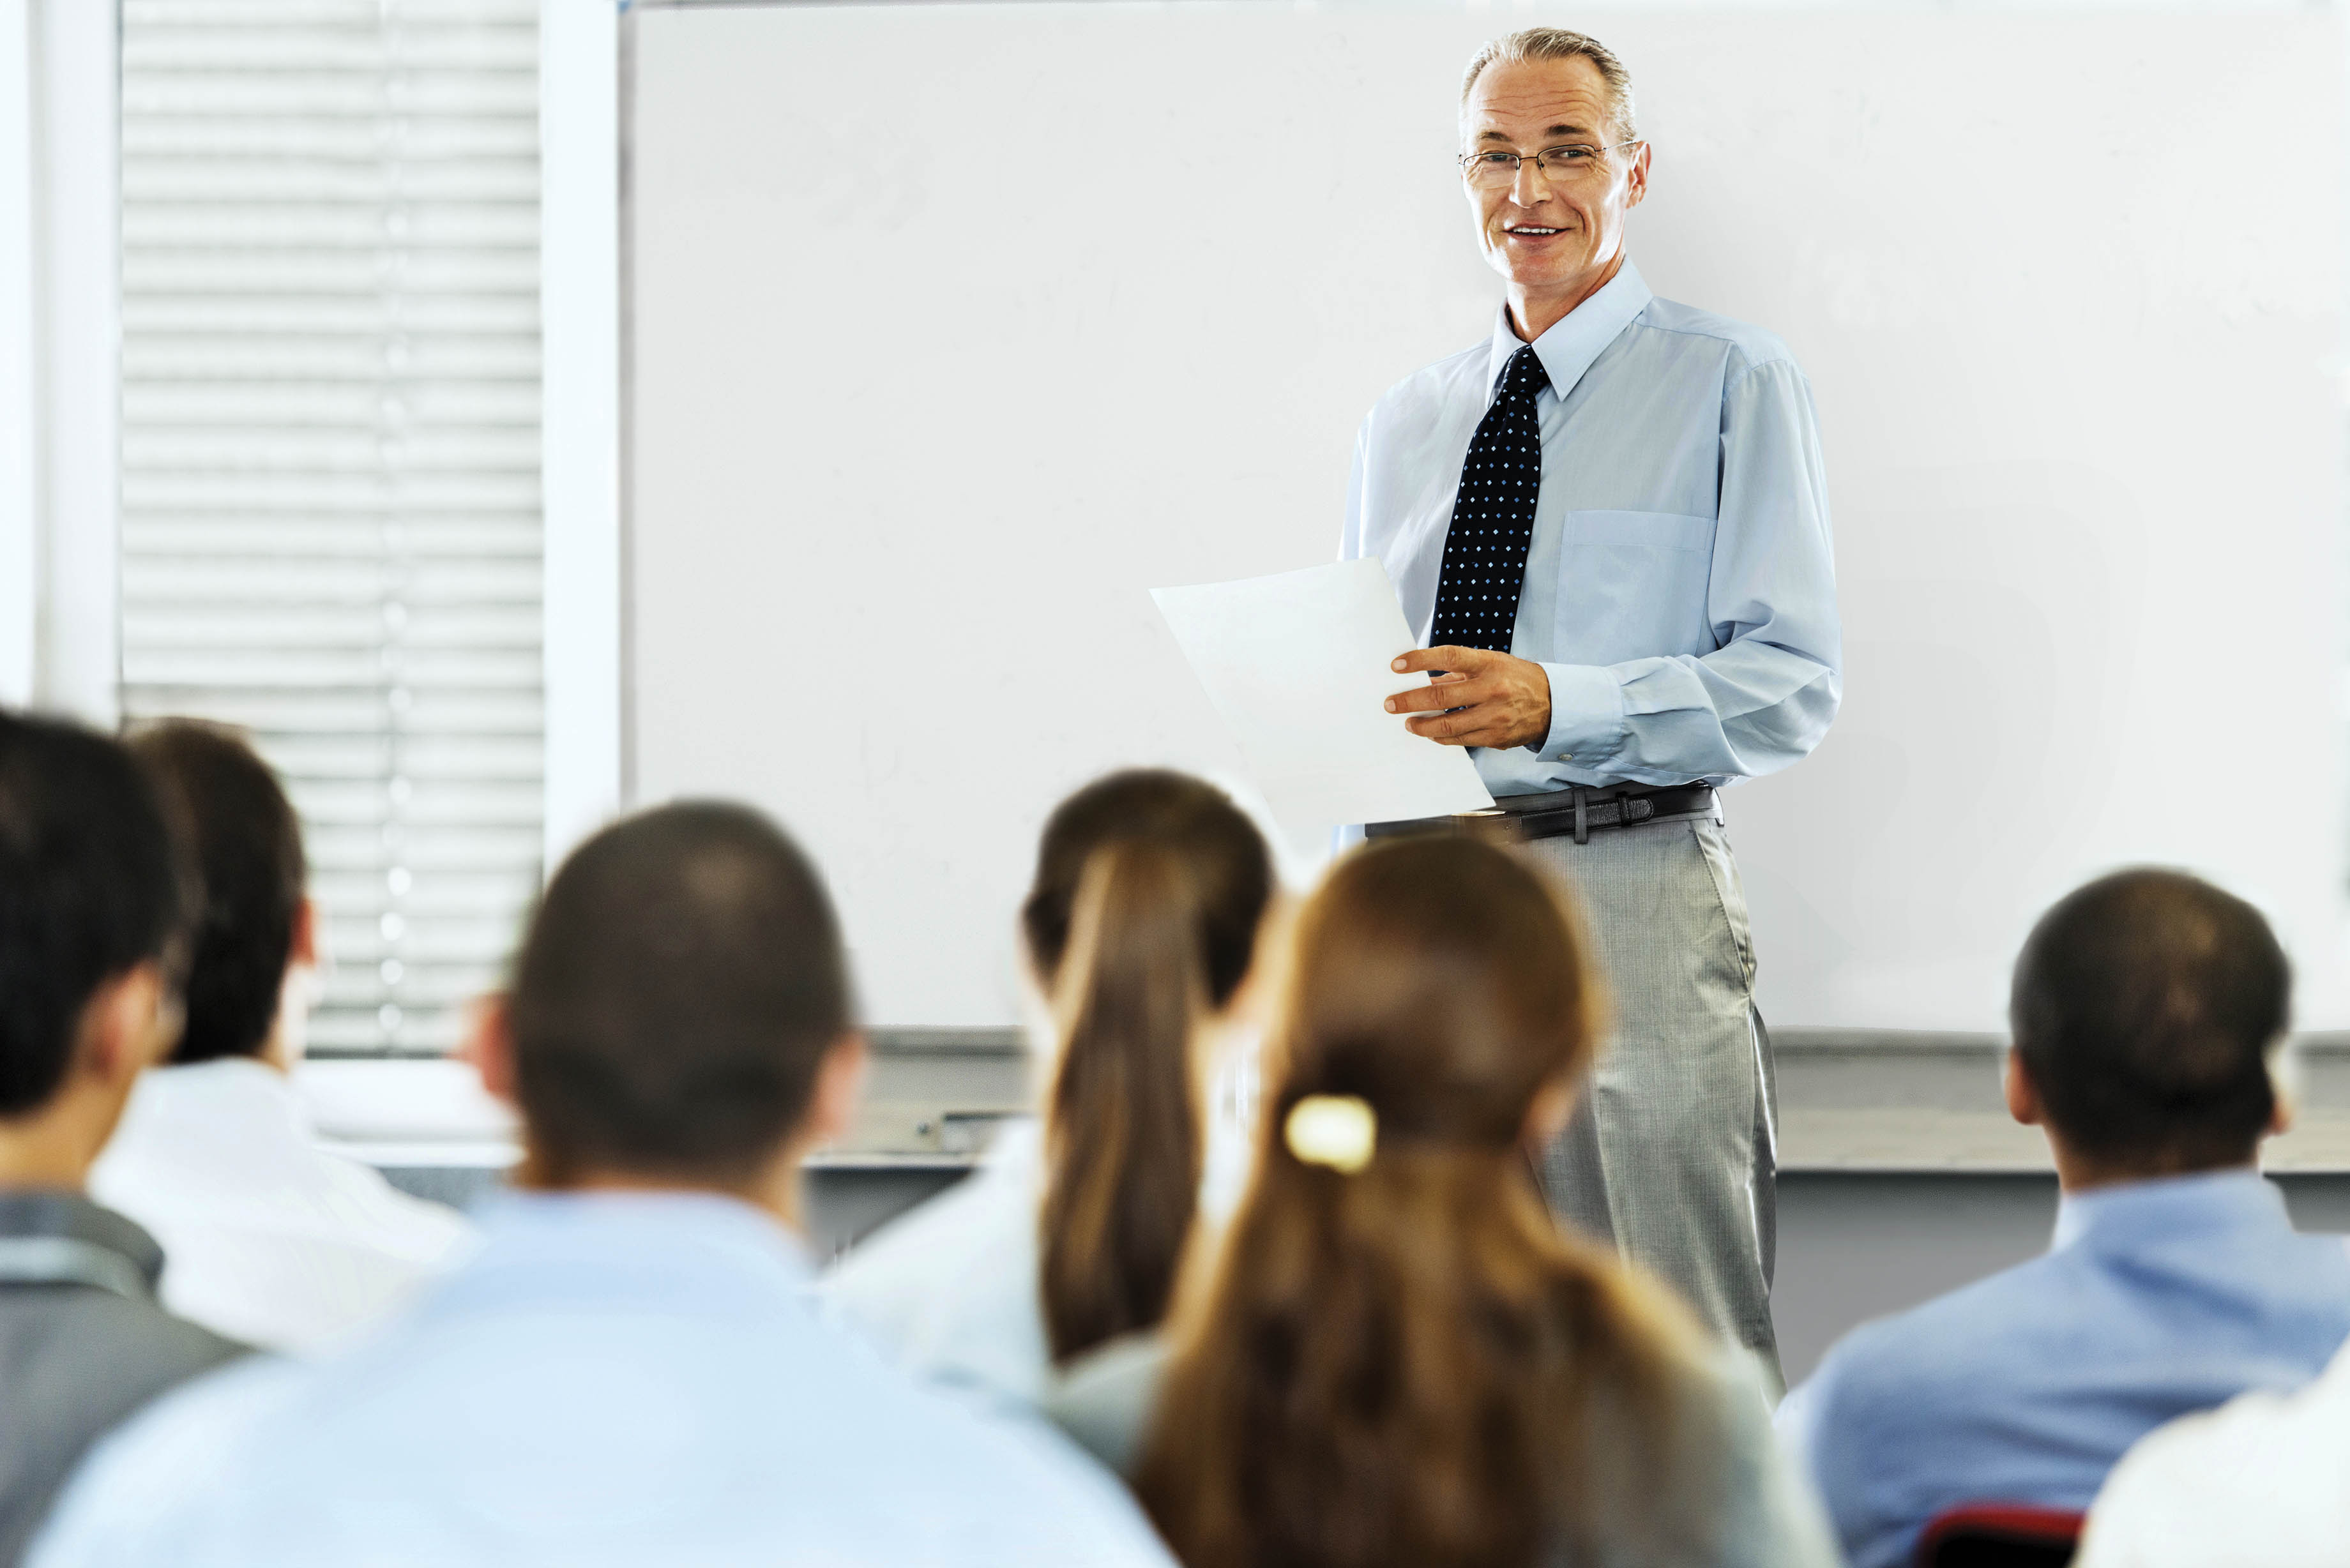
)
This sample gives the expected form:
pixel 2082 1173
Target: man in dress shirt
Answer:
pixel 2145 1008
pixel 1610 521
pixel 92 906
pixel 630 1370
pixel 271 1239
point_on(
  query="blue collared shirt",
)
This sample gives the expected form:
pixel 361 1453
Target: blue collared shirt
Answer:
pixel 614 1379
pixel 1681 587
pixel 2156 1299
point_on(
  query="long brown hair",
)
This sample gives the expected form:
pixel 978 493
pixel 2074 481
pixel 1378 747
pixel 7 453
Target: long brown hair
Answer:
pixel 1143 919
pixel 1410 1364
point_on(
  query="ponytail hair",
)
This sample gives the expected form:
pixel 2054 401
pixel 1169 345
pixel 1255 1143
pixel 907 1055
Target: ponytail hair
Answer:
pixel 1149 889
pixel 1397 1357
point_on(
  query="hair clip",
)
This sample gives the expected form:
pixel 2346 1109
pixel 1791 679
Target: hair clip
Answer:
pixel 1337 1130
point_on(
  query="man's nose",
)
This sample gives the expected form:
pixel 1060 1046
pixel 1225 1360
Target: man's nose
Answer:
pixel 1530 189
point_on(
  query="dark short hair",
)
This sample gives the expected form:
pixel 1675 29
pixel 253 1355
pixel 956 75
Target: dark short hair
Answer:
pixel 2145 1008
pixel 90 887
pixel 245 846
pixel 681 981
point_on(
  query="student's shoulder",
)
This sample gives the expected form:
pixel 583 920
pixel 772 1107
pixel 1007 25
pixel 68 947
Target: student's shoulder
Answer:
pixel 381 1217
pixel 1744 345
pixel 136 1346
pixel 2257 1479
pixel 142 1483
pixel 1955 1342
pixel 979 1236
pixel 1029 1480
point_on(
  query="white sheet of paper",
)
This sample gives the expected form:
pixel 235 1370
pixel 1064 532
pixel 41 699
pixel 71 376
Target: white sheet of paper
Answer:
pixel 1297 665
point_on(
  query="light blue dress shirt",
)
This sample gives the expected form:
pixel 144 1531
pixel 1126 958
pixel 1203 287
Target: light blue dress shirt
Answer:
pixel 614 1379
pixel 1680 585
pixel 2156 1299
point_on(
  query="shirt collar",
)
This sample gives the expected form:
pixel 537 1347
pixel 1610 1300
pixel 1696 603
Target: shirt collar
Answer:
pixel 62 1237
pixel 2169 1206
pixel 596 1225
pixel 242 1090
pixel 1567 349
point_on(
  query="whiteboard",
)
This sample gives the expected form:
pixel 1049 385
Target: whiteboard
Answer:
pixel 909 447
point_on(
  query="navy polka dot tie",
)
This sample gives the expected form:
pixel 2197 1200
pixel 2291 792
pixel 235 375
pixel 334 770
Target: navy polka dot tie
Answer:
pixel 1493 517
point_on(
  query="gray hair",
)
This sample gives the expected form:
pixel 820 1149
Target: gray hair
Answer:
pixel 1559 44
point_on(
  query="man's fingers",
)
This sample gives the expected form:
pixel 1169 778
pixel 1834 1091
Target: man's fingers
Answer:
pixel 1471 659
pixel 1451 730
pixel 1438 696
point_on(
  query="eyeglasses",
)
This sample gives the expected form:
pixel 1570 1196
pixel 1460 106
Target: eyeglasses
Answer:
pixel 1569 164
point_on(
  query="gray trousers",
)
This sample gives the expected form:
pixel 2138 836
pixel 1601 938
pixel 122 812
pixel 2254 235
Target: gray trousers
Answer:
pixel 1671 1154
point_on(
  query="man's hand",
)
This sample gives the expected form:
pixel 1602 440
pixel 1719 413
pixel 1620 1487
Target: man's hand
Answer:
pixel 1503 701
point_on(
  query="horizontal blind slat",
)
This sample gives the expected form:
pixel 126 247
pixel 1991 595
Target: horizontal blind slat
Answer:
pixel 330 480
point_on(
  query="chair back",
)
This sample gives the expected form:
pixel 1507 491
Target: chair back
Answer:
pixel 1999 1535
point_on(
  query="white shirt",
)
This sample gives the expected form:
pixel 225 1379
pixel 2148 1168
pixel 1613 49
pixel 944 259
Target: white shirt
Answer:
pixel 950 1290
pixel 2262 1483
pixel 614 1380
pixel 267 1238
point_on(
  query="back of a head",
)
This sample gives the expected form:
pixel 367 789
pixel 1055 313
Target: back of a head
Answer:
pixel 90 887
pixel 245 845
pixel 1150 887
pixel 1399 1359
pixel 2145 1008
pixel 680 983
pixel 1443 982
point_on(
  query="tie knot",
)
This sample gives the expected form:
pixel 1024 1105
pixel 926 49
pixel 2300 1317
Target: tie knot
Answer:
pixel 1524 373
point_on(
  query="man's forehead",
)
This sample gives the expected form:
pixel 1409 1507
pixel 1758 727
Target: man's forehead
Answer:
pixel 1536 98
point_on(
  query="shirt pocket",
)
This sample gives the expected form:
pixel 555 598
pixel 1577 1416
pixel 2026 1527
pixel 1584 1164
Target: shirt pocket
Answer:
pixel 1633 586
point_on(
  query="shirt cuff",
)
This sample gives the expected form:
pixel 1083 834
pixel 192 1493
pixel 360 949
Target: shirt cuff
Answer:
pixel 1586 715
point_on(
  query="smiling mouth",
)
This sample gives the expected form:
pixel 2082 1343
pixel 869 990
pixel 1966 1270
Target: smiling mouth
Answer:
pixel 1530 232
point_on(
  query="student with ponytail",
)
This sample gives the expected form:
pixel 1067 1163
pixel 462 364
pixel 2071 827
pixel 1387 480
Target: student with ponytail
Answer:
pixel 1139 932
pixel 1396 1357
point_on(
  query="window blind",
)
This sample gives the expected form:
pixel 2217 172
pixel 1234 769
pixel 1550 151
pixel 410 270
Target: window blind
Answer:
pixel 330 467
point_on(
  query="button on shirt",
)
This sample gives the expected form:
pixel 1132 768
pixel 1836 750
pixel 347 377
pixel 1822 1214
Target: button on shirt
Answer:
pixel 2156 1298
pixel 615 1378
pixel 1679 588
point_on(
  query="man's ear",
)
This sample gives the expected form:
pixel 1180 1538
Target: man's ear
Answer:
pixel 839 1088
pixel 130 1023
pixel 489 1047
pixel 1636 181
pixel 2022 1094
pixel 305 950
pixel 2285 1092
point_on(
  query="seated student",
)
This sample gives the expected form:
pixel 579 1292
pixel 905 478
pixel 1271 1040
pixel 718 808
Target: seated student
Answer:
pixel 1142 924
pixel 2145 1008
pixel 90 910
pixel 1396 1357
pixel 2262 1483
pixel 269 1240
pixel 629 1370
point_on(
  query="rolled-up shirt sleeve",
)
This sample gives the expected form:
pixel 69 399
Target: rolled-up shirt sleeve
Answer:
pixel 1766 693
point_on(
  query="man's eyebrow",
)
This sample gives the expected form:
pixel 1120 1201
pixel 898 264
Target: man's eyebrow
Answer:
pixel 1554 131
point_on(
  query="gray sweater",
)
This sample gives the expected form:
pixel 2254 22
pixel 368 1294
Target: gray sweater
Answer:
pixel 82 1343
pixel 1768 1516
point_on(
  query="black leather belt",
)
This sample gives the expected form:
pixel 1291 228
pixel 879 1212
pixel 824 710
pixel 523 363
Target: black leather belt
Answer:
pixel 1516 818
